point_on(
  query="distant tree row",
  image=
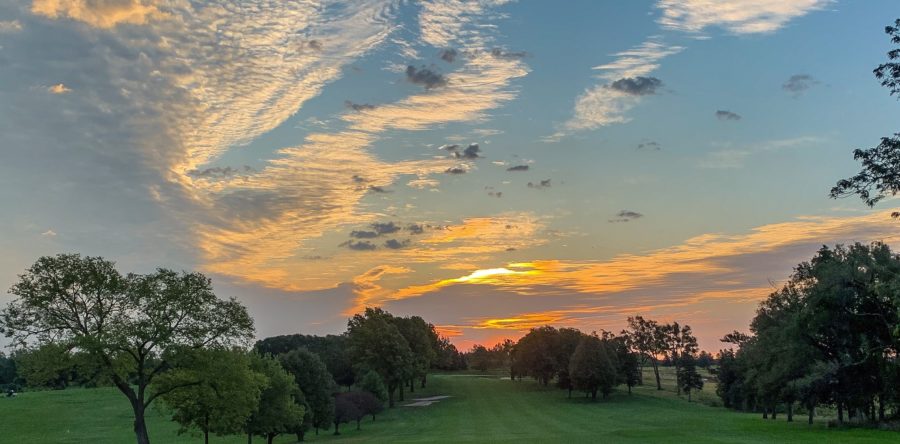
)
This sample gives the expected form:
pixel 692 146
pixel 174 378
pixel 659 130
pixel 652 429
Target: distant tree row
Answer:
pixel 596 363
pixel 829 337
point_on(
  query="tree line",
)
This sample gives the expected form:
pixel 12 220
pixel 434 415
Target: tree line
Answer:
pixel 165 339
pixel 829 337
pixel 598 362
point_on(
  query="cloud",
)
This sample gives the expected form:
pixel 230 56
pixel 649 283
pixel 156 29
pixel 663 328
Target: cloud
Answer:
pixel 360 245
pixel 725 274
pixel 59 88
pixel 415 229
pixel 497 194
pixel 10 26
pixel 727 115
pixel 49 233
pixel 735 158
pixel 100 14
pixel 736 16
pixel 604 104
pixel 449 55
pixel 518 168
pixel 470 152
pixel 545 183
pixel 500 53
pixel 359 106
pixel 363 234
pixel 427 77
pixel 797 84
pixel 220 172
pixel 378 189
pixel 637 86
pixel 395 244
pixel 456 170
pixel 649 145
pixel 385 227
pixel 626 216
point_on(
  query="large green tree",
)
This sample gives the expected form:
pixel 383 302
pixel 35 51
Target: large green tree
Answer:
pixel 376 344
pixel 591 367
pixel 315 382
pixel 281 405
pixel 224 396
pixel 130 325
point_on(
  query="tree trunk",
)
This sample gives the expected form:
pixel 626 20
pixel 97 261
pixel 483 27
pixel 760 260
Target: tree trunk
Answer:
pixel 570 392
pixel 301 436
pixel 357 422
pixel 401 392
pixel 689 395
pixel 424 377
pixel 656 372
pixel 205 436
pixel 881 408
pixel 790 411
pixel 206 429
pixel 391 396
pixel 640 372
pixel 629 389
pixel 249 438
pixel 594 394
pixel 840 407
pixel 269 438
pixel 336 431
pixel 412 385
pixel 812 412
pixel 765 413
pixel 140 425
pixel 774 411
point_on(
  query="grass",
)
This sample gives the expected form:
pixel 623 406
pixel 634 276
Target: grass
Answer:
pixel 481 409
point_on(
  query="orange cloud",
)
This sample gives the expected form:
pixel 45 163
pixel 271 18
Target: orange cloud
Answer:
pixel 100 14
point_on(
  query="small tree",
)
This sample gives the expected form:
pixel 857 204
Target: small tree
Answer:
pixel 226 394
pixel 128 326
pixel 688 376
pixel 371 382
pixel 366 404
pixel 344 411
pixel 281 408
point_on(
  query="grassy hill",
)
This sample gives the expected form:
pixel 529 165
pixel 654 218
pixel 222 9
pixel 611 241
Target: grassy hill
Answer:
pixel 481 409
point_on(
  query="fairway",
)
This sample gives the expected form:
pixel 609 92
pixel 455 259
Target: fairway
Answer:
pixel 479 409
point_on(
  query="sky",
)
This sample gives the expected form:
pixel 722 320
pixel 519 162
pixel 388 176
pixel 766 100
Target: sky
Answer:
pixel 489 165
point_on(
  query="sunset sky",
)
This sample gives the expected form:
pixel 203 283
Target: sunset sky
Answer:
pixel 489 165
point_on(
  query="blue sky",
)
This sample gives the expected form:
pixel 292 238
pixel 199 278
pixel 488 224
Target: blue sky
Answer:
pixel 312 158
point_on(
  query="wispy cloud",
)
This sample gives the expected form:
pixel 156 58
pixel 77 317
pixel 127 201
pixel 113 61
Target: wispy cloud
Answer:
pixel 100 14
pixel 625 80
pixel 736 16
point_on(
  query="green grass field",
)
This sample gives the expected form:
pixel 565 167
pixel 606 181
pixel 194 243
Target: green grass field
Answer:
pixel 481 409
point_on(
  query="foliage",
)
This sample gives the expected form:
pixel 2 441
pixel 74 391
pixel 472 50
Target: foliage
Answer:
pixel 593 367
pixel 371 382
pixel 315 383
pixel 281 405
pixel 333 350
pixel 344 411
pixel 376 344
pixel 688 377
pixel 128 325
pixel 880 174
pixel 220 391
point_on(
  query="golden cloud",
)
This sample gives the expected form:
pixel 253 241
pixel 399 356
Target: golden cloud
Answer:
pixel 99 13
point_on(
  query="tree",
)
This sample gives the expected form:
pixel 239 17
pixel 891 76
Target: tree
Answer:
pixel 678 341
pixel 129 326
pixel 227 391
pixel 281 408
pixel 316 384
pixel 344 411
pixel 647 339
pixel 50 366
pixel 333 350
pixel 372 383
pixel 419 336
pixel 376 344
pixel 591 367
pixel 567 341
pixel 366 404
pixel 705 360
pixel 536 354
pixel 880 175
pixel 9 374
pixel 688 376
